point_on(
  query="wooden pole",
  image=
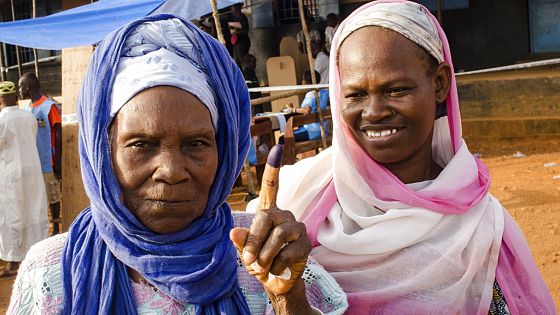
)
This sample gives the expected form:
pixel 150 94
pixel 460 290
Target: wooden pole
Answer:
pixel 216 17
pixel 312 70
pixel 17 48
pixel 2 46
pixel 2 74
pixel 35 60
pixel 246 166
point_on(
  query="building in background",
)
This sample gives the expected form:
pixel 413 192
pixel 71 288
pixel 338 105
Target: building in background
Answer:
pixel 482 34
pixel 49 60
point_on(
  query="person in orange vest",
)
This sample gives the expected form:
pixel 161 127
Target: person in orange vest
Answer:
pixel 49 140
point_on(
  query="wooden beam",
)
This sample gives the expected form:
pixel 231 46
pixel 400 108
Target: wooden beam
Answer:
pixel 217 23
pixel 35 59
pixel 17 48
pixel 312 70
pixel 74 198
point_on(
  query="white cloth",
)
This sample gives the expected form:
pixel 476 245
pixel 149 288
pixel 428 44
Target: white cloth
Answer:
pixel 322 66
pixel 407 19
pixel 142 67
pixel 23 200
pixel 394 249
pixel 329 35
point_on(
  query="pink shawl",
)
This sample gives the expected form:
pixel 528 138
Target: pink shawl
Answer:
pixel 518 276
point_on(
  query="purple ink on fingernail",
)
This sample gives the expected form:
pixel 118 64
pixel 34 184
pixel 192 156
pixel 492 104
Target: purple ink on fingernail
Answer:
pixel 275 155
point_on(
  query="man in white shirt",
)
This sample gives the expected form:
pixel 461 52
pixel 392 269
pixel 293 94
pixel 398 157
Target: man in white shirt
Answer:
pixel 332 26
pixel 321 62
pixel 23 200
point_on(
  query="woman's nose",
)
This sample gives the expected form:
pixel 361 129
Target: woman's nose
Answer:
pixel 376 108
pixel 171 167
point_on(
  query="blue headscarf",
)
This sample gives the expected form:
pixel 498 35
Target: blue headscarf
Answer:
pixel 197 265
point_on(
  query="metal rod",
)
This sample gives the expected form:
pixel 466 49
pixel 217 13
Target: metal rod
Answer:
pixel 17 48
pixel 35 59
pixel 312 70
pixel 217 23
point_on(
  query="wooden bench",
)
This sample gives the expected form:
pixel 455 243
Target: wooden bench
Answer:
pixel 293 148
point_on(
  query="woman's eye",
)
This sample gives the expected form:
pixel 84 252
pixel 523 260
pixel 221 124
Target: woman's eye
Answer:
pixel 356 96
pixel 142 144
pixel 396 92
pixel 195 144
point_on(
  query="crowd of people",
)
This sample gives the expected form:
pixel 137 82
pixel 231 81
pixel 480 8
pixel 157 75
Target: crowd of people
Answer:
pixel 395 218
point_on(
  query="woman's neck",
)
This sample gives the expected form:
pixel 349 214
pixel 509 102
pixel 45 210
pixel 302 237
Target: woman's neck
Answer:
pixel 421 168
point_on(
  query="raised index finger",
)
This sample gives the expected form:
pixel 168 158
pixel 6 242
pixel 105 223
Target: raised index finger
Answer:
pixel 269 185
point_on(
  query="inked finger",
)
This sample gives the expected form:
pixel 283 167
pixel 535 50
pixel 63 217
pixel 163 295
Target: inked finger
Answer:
pixel 269 186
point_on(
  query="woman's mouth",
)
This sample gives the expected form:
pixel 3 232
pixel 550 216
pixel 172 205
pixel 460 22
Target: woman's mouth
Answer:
pixel 381 133
pixel 372 134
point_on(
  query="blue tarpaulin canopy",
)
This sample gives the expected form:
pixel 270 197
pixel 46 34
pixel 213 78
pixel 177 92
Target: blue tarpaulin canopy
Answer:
pixel 89 24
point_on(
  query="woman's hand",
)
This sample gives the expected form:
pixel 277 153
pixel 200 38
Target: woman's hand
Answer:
pixel 275 248
pixel 276 242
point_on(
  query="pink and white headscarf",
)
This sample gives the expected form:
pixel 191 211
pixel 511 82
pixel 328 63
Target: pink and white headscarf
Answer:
pixel 430 247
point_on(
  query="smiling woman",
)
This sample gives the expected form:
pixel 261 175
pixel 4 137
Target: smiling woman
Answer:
pixel 398 209
pixel 164 119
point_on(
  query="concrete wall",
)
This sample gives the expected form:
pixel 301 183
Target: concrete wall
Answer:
pixel 510 105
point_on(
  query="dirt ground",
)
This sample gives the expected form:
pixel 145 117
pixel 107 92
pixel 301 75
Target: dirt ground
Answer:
pixel 524 185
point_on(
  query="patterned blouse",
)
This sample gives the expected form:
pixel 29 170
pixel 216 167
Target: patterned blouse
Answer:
pixel 38 286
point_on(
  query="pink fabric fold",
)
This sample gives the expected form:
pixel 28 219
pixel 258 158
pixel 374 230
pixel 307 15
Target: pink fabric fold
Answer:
pixel 517 274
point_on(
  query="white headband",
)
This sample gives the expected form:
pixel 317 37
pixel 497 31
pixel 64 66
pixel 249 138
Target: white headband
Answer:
pixel 160 67
pixel 408 19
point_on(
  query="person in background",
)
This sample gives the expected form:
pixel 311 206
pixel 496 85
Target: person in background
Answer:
pixel 309 105
pixel 321 62
pixel 314 35
pixel 23 202
pixel 332 26
pixel 239 27
pixel 248 68
pixel 49 140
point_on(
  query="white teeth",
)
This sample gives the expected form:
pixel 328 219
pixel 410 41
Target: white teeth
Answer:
pixel 382 133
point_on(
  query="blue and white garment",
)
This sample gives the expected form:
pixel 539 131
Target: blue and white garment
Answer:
pixel 197 265
pixel 38 286
pixel 314 130
pixel 44 145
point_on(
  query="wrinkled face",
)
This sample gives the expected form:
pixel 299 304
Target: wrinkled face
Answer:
pixel 23 88
pixel 164 155
pixel 390 95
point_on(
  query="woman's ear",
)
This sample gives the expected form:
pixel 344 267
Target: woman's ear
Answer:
pixel 442 77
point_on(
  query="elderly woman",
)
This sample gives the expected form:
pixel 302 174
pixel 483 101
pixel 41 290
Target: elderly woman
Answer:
pixel 398 209
pixel 164 129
